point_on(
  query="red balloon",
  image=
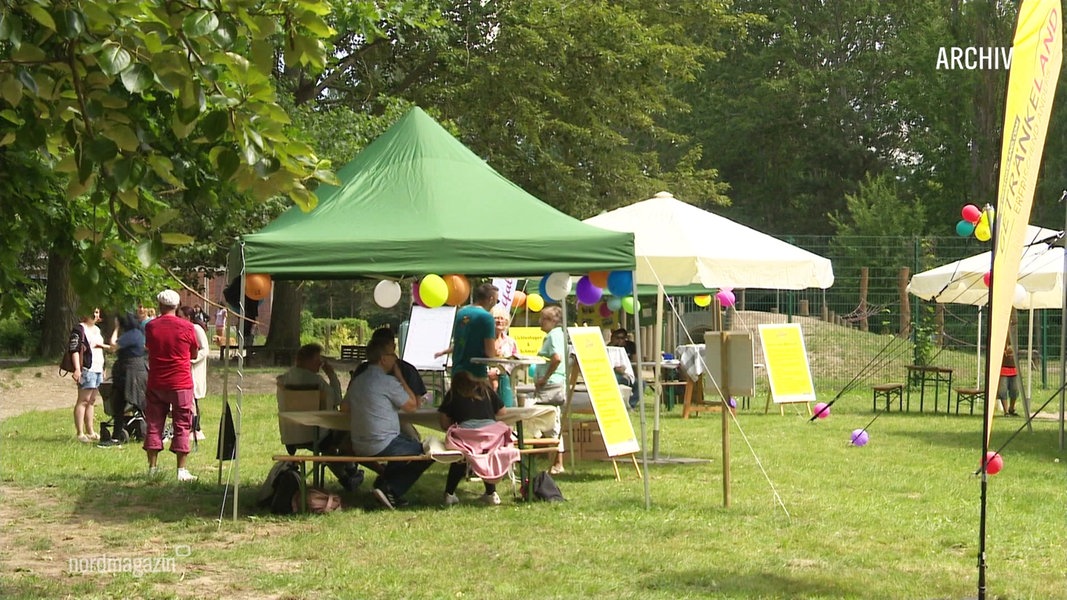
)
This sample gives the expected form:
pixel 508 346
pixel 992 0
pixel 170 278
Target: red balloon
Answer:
pixel 985 278
pixel 605 310
pixel 971 213
pixel 994 463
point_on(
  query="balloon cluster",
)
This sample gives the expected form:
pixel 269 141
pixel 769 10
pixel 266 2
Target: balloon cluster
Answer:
pixel 975 221
pixel 432 291
pixel 590 290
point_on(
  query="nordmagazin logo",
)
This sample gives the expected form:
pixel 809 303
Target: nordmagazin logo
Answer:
pixel 973 58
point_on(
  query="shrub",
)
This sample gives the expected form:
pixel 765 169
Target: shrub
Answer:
pixel 14 337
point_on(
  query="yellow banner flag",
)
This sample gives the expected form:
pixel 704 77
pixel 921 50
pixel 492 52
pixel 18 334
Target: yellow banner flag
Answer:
pixel 1035 68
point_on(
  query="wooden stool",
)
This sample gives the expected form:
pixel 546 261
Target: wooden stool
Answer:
pixel 968 395
pixel 889 391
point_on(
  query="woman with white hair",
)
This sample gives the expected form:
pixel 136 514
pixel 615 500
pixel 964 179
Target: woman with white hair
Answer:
pixel 506 346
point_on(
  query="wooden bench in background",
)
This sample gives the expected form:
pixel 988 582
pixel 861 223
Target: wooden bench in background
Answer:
pixel 888 391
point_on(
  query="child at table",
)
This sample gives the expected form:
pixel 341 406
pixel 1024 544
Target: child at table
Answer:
pixel 469 414
pixel 1009 383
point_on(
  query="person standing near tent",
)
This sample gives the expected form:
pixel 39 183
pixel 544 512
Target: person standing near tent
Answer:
pixel 550 377
pixel 172 346
pixel 1009 383
pixel 506 346
pixel 474 334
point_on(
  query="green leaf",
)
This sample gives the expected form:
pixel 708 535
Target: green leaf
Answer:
pixel 227 163
pixel 71 23
pixel 200 22
pixel 28 53
pixel 177 239
pixel 123 136
pixel 27 81
pixel 165 216
pixel 113 58
pixel 131 198
pixel 41 15
pixel 11 116
pixel 215 124
pixel 137 78
pixel 147 253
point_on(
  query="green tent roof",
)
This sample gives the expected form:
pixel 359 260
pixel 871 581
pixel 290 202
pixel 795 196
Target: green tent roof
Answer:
pixel 417 201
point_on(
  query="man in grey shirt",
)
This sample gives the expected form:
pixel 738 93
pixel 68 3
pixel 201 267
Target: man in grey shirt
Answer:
pixel 374 399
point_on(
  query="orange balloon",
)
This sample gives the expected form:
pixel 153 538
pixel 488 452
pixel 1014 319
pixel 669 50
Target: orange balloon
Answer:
pixel 459 289
pixel 599 279
pixel 257 285
pixel 519 299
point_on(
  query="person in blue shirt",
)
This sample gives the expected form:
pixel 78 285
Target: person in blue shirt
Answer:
pixel 474 334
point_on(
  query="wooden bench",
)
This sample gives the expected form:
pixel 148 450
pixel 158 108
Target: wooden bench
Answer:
pixel 968 395
pixel 318 461
pixel 888 391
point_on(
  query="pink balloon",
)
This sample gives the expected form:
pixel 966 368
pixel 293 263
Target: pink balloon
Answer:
pixel 821 410
pixel 994 463
pixel 971 213
pixel 605 310
pixel 415 294
pixel 985 278
pixel 726 297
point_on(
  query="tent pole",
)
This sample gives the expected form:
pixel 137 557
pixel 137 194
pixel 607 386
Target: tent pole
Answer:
pixel 978 370
pixel 1063 326
pixel 657 333
pixel 240 390
pixel 1029 364
pixel 640 391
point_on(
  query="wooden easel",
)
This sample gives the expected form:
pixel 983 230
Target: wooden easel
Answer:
pixel 572 381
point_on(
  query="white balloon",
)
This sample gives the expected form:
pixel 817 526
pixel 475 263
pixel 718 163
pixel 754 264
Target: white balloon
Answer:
pixel 1021 296
pixel 558 285
pixel 387 293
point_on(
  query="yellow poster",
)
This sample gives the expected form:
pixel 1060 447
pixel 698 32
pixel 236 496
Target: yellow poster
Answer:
pixel 787 363
pixel 610 411
pixel 529 339
pixel 1037 52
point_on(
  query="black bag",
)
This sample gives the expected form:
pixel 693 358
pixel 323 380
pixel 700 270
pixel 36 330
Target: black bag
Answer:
pixel 281 489
pixel 77 342
pixel 545 488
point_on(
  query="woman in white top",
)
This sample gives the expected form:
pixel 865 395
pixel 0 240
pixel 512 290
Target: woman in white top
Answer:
pixel 199 368
pixel 88 377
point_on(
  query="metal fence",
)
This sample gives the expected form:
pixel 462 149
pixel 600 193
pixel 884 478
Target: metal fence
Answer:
pixel 866 328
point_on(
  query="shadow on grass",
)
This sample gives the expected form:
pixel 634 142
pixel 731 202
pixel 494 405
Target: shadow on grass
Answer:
pixel 734 584
pixel 128 498
pixel 1041 444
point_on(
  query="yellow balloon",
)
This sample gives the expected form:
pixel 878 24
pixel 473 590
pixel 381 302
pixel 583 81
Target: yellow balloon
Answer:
pixel 981 231
pixel 433 291
pixel 535 302
pixel 702 300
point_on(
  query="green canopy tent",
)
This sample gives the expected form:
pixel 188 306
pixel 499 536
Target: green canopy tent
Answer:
pixel 417 201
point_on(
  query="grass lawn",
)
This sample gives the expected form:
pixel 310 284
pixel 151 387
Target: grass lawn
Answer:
pixel 895 519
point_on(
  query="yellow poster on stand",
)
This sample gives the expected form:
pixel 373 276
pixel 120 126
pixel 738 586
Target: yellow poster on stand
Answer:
pixel 529 339
pixel 787 363
pixel 608 406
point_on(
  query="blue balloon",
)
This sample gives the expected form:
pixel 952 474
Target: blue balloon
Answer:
pixel 621 283
pixel 964 229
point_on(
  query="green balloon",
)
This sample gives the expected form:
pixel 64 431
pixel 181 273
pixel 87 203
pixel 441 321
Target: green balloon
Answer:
pixel 629 304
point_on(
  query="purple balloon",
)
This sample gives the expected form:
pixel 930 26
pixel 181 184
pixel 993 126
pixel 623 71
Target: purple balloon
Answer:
pixel 860 437
pixel 587 292
pixel 731 402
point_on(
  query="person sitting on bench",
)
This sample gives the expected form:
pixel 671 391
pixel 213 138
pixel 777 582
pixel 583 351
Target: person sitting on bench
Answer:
pixel 374 397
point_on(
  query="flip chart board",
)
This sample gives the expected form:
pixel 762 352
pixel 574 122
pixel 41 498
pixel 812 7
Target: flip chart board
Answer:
pixel 429 331
pixel 739 364
pixel 787 363
pixel 604 395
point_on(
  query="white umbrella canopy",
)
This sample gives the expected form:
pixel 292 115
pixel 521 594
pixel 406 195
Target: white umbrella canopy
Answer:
pixel 1040 276
pixel 679 244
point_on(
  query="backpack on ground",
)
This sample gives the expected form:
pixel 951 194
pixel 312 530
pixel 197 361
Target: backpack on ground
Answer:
pixel 545 488
pixel 77 342
pixel 281 489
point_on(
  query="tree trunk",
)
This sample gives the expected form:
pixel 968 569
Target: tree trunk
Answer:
pixel 60 312
pixel 284 336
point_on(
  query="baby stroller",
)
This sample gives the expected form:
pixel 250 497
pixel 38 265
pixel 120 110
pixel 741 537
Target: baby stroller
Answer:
pixel 127 421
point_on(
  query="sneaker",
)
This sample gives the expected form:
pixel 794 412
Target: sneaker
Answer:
pixel 384 498
pixel 112 443
pixel 199 436
pixel 153 472
pixel 490 499
pixel 84 439
pixel 351 481
pixel 185 475
pixel 451 499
